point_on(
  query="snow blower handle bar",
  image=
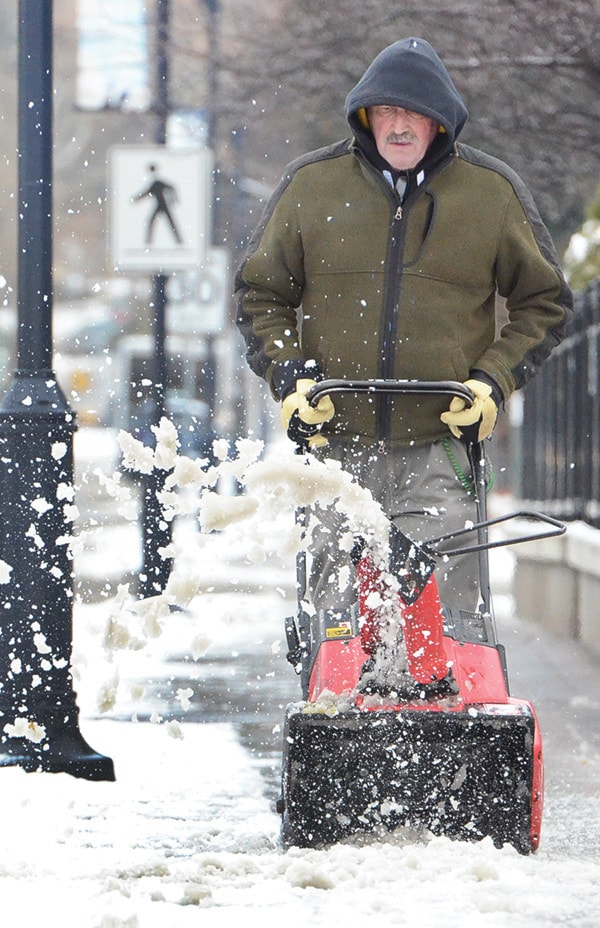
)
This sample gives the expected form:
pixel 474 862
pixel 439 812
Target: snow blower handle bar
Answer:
pixel 476 453
pixel 443 387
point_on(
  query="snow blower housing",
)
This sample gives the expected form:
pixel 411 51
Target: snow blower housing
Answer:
pixel 468 766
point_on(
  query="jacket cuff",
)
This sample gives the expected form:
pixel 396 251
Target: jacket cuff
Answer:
pixel 287 373
pixel 497 394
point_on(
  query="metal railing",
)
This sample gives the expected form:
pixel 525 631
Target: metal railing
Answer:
pixel 560 432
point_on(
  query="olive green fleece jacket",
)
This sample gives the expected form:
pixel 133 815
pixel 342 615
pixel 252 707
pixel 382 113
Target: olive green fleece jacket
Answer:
pixel 339 273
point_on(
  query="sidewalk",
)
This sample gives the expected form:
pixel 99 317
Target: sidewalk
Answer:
pixel 189 823
pixel 136 852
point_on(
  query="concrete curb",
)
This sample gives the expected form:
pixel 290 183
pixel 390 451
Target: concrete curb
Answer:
pixel 557 581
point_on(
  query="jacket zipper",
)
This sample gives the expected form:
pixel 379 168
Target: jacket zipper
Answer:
pixel 387 343
pixel 389 328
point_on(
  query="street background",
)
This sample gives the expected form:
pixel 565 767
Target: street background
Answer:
pixel 189 701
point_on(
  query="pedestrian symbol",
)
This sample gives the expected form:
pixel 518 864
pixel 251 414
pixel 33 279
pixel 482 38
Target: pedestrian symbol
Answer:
pixel 160 207
pixel 163 198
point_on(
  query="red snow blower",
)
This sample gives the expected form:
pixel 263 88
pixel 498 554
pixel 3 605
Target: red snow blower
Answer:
pixel 452 753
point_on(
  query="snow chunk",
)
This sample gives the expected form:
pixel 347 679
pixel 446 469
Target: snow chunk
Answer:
pixel 41 505
pixel 58 450
pixel 216 512
pixel 65 491
pixel 167 443
pixel 184 696
pixel 41 644
pixel 136 455
pixel 106 696
pixel 24 728
pixel 200 645
pixel 70 512
pixel 174 729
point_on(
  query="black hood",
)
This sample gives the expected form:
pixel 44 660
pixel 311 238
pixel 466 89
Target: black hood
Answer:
pixel 409 74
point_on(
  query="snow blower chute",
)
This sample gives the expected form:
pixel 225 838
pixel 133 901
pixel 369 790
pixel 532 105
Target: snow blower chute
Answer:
pixel 458 757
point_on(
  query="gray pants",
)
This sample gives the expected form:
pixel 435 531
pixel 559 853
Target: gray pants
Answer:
pixel 421 494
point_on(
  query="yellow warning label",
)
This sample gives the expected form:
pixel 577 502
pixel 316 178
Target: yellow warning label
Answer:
pixel 339 631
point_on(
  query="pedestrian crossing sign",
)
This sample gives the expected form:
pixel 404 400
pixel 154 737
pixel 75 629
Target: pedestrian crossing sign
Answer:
pixel 160 207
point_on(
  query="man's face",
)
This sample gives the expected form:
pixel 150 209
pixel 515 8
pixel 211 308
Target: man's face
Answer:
pixel 402 137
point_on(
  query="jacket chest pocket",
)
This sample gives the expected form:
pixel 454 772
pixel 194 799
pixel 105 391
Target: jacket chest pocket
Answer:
pixel 447 245
pixel 349 240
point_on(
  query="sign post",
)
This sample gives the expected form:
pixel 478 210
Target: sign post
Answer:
pixel 160 223
pixel 160 214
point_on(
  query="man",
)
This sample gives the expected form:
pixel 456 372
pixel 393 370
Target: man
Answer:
pixel 381 257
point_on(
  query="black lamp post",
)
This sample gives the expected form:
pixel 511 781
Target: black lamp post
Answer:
pixel 37 426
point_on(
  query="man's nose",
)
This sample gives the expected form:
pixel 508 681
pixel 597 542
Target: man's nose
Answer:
pixel 400 119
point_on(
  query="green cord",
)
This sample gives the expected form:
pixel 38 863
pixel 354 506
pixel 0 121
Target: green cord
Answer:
pixel 466 482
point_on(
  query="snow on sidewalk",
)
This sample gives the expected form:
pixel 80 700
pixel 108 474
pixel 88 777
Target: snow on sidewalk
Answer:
pixel 186 828
pixel 186 834
pixel 77 853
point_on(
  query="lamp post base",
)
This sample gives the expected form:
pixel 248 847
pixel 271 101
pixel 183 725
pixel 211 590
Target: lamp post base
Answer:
pixel 65 752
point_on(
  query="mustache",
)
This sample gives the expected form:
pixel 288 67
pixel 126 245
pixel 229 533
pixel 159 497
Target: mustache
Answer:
pixel 401 137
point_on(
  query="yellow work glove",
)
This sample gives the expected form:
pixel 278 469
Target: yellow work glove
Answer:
pixel 476 422
pixel 303 421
